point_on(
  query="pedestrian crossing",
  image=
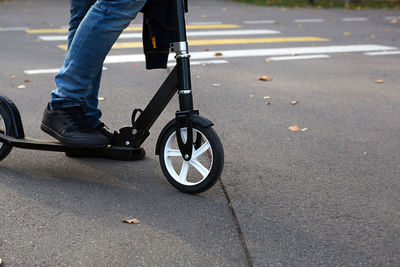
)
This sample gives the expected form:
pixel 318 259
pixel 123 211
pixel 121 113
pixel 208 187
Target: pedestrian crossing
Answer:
pixel 250 39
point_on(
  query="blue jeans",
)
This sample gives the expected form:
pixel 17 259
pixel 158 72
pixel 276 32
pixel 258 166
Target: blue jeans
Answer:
pixel 94 28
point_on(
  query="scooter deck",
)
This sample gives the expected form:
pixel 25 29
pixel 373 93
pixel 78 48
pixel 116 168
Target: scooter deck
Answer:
pixel 113 152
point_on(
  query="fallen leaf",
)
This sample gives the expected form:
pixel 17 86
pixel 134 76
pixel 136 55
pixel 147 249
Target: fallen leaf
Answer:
pixel 267 60
pixel 294 54
pixel 130 221
pixel 345 55
pixel 1 261
pixel 198 76
pixel 267 103
pixel 276 22
pixel 294 128
pixel 27 81
pixel 304 129
pixel 393 21
pixel 216 85
pixel 251 96
pixel 21 86
pixel 346 34
pixel 294 102
pixel 387 30
pixel 372 36
pixel 267 97
pixel 334 20
pixel 135 64
pixel 224 9
pixel 299 25
pixel 218 54
pixel 13 76
pixel 264 78
pixel 379 81
pixel 101 98
pixel 204 16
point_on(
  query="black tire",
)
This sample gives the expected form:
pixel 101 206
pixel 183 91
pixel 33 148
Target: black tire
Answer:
pixel 5 128
pixel 215 155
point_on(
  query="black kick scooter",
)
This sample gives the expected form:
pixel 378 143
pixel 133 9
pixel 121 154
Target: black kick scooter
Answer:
pixel 190 151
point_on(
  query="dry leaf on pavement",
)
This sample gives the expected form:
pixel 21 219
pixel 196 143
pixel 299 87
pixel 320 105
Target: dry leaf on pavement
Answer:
pixel 101 98
pixel 393 21
pixel 251 96
pixel 379 81
pixel 21 86
pixel 27 81
pixel 267 60
pixel 218 54
pixel 216 85
pixel 294 102
pixel 13 76
pixel 267 97
pixel 130 221
pixel 294 128
pixel 346 34
pixel 264 78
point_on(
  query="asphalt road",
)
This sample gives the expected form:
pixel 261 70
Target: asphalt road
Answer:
pixel 327 194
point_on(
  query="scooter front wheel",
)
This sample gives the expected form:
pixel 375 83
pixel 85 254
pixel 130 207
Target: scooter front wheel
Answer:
pixel 203 170
pixel 6 129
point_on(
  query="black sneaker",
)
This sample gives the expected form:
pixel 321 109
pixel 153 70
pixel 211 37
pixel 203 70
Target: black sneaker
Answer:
pixel 104 130
pixel 71 127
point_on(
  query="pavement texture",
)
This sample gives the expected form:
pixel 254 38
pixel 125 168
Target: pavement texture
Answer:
pixel 324 195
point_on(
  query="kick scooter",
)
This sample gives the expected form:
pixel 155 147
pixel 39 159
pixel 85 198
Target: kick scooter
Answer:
pixel 190 152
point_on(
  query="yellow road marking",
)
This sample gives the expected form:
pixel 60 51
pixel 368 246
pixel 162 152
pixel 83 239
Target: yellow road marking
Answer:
pixel 130 29
pixel 226 41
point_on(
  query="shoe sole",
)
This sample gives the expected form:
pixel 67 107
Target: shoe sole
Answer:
pixel 67 141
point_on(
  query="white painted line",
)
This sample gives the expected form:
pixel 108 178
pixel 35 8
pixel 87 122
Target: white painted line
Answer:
pixel 308 20
pixel 392 17
pixel 259 22
pixel 202 62
pixel 383 53
pixel 299 57
pixel 10 29
pixel 45 71
pixel 205 23
pixel 354 19
pixel 189 34
pixel 261 52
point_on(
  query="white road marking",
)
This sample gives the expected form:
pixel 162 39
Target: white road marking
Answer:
pixel 189 34
pixel 205 23
pixel 308 20
pixel 354 19
pixel 383 53
pixel 392 17
pixel 10 29
pixel 259 22
pixel 299 57
pixel 260 52
pixel 202 62
pixel 45 71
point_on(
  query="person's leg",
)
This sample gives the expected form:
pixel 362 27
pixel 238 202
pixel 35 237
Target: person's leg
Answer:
pixel 65 118
pixel 90 44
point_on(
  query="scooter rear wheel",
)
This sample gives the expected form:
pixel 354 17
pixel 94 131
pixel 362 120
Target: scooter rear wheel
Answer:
pixel 5 128
pixel 203 170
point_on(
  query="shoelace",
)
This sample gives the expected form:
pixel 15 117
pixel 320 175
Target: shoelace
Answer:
pixel 78 119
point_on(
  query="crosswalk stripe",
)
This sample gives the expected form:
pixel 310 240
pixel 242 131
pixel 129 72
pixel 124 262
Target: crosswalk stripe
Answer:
pixel 10 29
pixel 308 20
pixel 299 57
pixel 354 19
pixel 112 59
pixel 226 42
pixel 260 22
pixel 139 28
pixel 383 53
pixel 189 34
pixel 45 71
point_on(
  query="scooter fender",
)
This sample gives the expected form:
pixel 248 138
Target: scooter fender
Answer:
pixel 196 120
pixel 15 116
